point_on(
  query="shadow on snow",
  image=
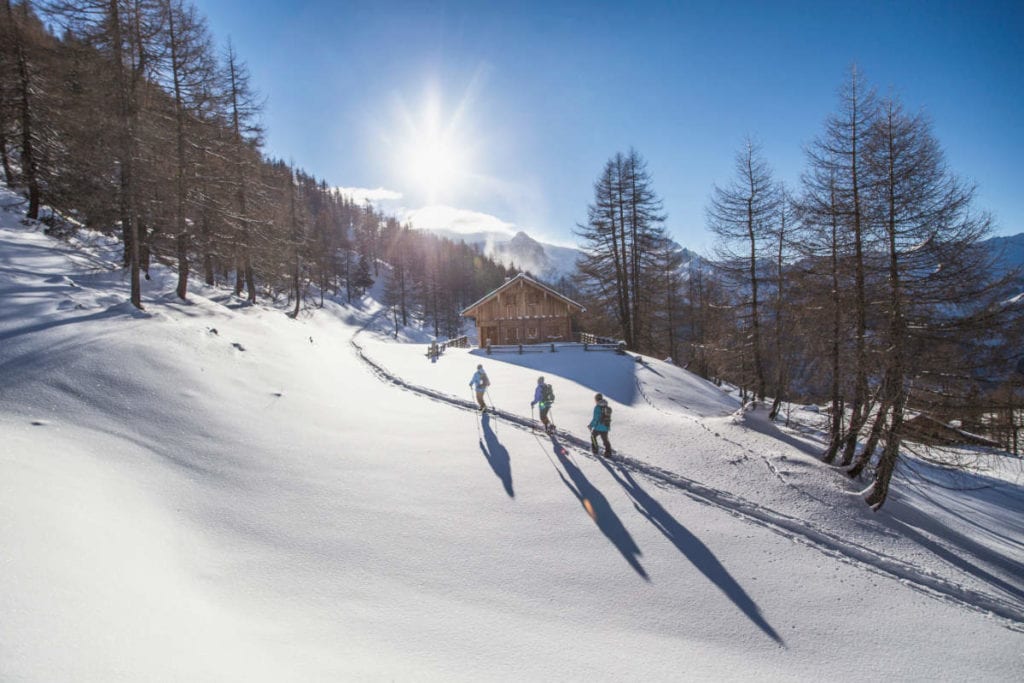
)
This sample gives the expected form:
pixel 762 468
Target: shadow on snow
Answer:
pixel 598 508
pixel 496 455
pixel 692 547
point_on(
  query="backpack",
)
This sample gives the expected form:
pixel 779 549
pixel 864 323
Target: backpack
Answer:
pixel 606 415
pixel 547 394
pixel 484 382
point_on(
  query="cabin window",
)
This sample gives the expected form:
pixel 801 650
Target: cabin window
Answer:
pixel 531 332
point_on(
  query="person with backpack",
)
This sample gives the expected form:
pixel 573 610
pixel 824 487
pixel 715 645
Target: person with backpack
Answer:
pixel 480 384
pixel 544 396
pixel 600 425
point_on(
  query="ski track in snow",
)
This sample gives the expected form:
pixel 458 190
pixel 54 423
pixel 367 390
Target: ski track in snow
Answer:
pixel 800 531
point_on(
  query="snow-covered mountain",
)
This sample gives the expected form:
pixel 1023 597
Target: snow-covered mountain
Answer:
pixel 1009 250
pixel 1008 253
pixel 549 262
pixel 212 491
pixel 546 261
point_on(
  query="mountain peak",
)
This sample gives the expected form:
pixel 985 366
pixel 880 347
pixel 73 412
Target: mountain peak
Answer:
pixel 521 240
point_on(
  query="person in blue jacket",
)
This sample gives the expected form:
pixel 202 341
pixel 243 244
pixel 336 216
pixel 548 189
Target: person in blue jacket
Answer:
pixel 543 396
pixel 600 425
pixel 480 384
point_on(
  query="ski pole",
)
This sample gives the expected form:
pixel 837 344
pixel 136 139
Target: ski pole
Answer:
pixel 531 418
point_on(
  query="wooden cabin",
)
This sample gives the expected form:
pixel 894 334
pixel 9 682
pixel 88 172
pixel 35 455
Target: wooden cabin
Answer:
pixel 523 311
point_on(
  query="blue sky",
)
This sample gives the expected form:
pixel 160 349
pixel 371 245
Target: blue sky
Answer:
pixel 503 114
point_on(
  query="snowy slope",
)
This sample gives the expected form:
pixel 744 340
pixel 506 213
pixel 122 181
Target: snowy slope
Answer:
pixel 208 491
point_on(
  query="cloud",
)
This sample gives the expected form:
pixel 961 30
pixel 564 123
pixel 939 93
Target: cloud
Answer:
pixel 465 221
pixel 373 195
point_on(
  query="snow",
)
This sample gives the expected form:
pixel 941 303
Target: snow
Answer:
pixel 213 491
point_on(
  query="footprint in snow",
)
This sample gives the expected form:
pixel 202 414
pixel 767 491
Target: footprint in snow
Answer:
pixel 39 423
pixel 238 346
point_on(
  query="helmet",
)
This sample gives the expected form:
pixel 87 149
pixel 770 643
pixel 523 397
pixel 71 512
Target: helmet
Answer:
pixel 540 380
pixel 598 397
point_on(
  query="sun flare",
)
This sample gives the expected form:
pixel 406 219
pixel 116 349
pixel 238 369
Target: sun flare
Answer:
pixel 434 164
pixel 433 155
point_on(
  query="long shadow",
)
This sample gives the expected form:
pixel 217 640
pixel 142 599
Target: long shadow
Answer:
pixel 599 509
pixel 692 547
pixel 497 456
pixel 908 521
pixel 50 324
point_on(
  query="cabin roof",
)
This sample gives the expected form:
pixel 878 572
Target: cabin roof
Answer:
pixel 521 277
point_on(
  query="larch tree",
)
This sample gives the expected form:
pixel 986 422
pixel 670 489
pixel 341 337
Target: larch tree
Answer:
pixel 937 280
pixel 21 46
pixel 781 237
pixel 188 71
pixel 620 239
pixel 126 32
pixel 246 134
pixel 837 154
pixel 742 215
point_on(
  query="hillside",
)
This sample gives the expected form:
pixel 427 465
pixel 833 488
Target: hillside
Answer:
pixel 212 491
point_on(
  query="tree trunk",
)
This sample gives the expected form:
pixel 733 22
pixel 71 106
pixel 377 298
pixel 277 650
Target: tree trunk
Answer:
pixel 835 427
pixel 860 391
pixel 872 443
pixel 126 114
pixel 29 161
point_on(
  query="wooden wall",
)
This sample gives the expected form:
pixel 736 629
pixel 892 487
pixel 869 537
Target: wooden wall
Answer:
pixel 523 314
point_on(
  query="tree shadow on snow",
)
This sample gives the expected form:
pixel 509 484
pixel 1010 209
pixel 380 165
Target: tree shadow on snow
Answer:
pixel 497 456
pixel 956 548
pixel 691 547
pixel 113 311
pixel 598 508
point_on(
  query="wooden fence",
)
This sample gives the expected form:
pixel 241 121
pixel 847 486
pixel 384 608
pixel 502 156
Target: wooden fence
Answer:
pixel 552 347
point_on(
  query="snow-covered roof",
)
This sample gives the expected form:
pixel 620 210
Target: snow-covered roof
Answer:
pixel 521 277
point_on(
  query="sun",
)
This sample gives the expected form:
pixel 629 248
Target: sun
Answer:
pixel 434 163
pixel 434 152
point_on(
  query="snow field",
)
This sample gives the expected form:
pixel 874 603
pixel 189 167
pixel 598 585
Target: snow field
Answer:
pixel 251 504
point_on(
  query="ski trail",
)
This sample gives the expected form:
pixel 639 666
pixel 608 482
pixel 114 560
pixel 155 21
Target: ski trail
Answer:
pixel 1008 614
